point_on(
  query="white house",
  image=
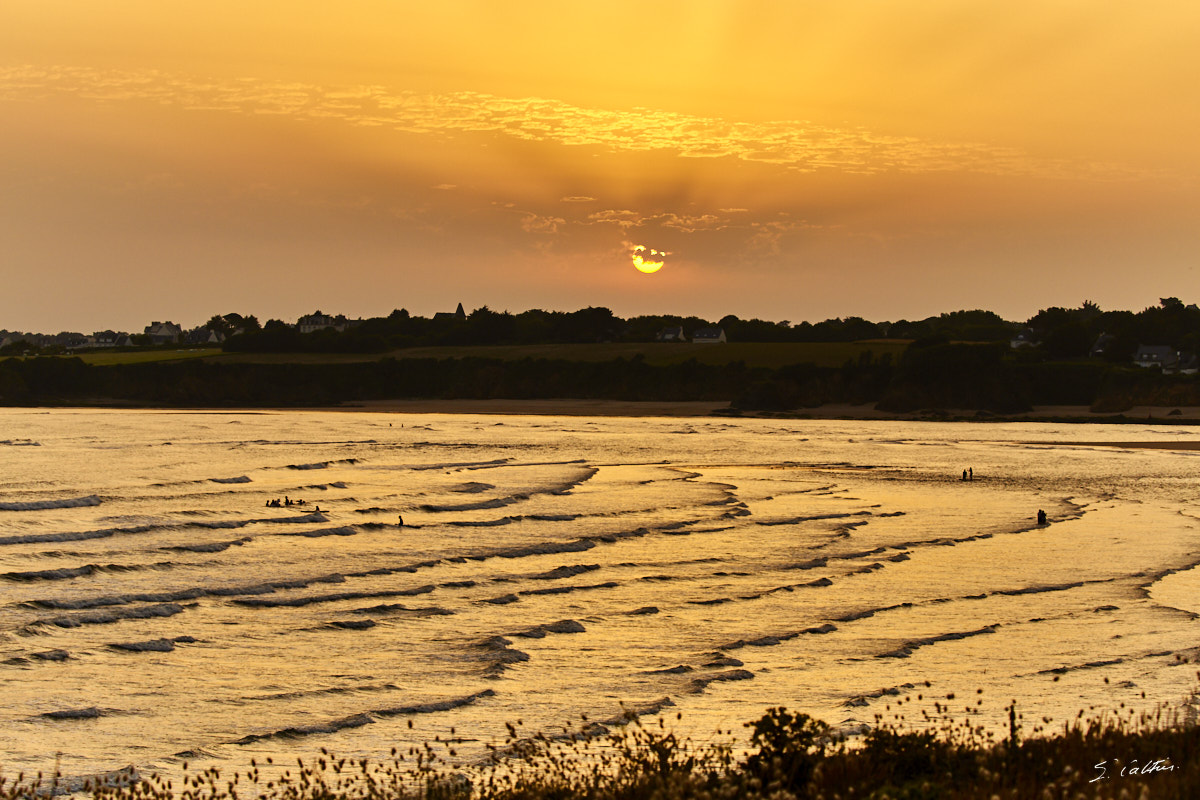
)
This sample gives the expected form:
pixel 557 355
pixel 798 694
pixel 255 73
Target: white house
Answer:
pixel 163 332
pixel 1156 355
pixel 1026 338
pixel 317 321
pixel 709 336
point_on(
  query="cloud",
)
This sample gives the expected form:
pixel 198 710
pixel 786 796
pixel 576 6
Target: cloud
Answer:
pixel 623 218
pixel 794 145
pixel 578 200
pixel 535 223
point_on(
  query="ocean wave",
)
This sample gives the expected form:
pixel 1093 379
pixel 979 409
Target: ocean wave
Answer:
pixel 471 487
pixel 909 647
pixel 109 616
pixel 322 464
pixel 298 602
pixel 1088 665
pixel 20 443
pixel 41 505
pixel 771 640
pixel 151 646
pixel 479 505
pixel 813 518
pixel 569 589
pixel 91 712
pixel 562 626
pixel 699 684
pixel 399 608
pixel 333 726
pixel 115 600
pixel 498 653
pixel 495 462
pixel 370 687
pixel 344 530
pixel 352 624
pixel 486 523
pixel 44 655
pixel 565 572
pixel 210 547
pixel 861 700
pixel 238 479
pixel 67 573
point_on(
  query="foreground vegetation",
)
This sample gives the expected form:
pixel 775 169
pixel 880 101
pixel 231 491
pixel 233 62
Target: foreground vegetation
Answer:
pixel 790 755
pixel 929 374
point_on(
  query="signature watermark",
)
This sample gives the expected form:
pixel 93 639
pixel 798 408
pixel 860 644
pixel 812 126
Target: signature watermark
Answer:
pixel 1133 768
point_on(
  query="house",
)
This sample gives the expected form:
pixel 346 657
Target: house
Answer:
pixel 709 336
pixel 1156 355
pixel 203 336
pixel 1103 342
pixel 1026 338
pixel 458 315
pixel 670 335
pixel 317 321
pixel 163 332
pixel 81 342
pixel 1189 363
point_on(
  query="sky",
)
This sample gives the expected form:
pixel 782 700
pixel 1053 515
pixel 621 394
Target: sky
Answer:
pixel 802 160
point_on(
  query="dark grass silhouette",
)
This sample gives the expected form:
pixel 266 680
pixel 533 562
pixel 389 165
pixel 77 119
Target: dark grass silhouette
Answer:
pixel 1104 754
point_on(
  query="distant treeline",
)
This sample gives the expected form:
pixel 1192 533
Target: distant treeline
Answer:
pixel 1061 333
pixel 931 374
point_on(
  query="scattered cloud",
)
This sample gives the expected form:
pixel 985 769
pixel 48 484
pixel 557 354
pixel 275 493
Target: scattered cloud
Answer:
pixel 535 223
pixel 795 145
pixel 623 218
pixel 578 199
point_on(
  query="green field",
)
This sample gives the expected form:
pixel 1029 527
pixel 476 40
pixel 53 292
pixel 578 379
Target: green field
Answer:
pixel 754 354
pixel 104 359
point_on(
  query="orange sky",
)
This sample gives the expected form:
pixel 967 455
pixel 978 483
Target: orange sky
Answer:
pixel 797 160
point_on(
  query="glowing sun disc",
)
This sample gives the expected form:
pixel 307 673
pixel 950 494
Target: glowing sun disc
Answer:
pixel 644 264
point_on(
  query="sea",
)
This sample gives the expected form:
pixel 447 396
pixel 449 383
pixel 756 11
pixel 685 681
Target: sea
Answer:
pixel 435 577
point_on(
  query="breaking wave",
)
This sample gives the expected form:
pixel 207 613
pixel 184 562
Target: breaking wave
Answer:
pixel 41 505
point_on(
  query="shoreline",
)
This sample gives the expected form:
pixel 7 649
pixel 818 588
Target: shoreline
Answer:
pixel 1173 416
pixel 1158 415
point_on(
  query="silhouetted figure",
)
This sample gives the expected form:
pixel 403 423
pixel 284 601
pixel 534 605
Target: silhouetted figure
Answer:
pixel 1041 517
pixel 964 475
pixel 401 523
pixel 287 501
pixel 970 473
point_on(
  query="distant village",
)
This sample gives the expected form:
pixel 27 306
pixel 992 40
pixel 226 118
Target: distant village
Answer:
pixel 157 334
pixel 1165 338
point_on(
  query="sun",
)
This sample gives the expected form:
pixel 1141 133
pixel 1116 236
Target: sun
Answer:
pixel 648 260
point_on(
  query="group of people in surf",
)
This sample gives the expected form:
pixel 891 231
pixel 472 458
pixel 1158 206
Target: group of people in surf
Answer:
pixel 288 502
